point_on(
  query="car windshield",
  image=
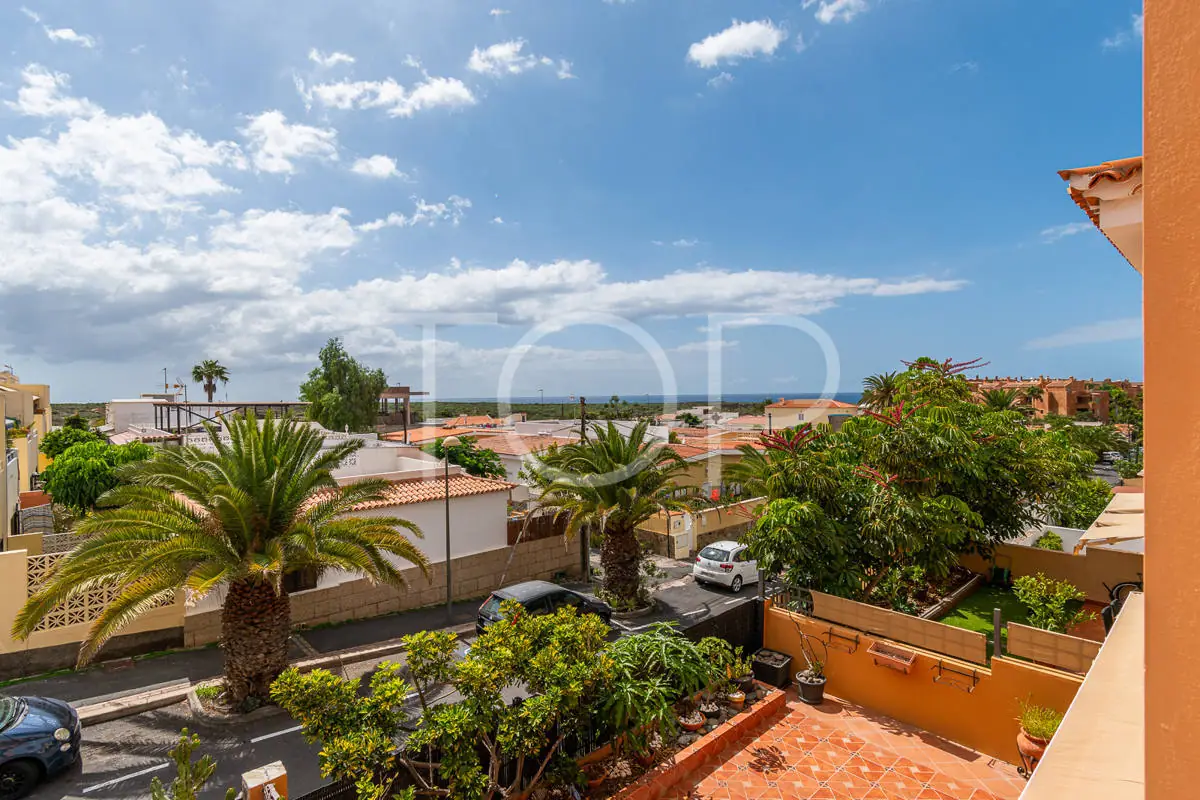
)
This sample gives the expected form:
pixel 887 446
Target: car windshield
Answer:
pixel 714 554
pixel 491 608
pixel 9 709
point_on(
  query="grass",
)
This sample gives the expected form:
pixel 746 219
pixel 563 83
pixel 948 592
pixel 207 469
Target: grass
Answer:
pixel 975 612
pixel 209 692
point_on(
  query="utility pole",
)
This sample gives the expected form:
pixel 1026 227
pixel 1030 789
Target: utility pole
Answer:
pixel 166 385
pixel 582 419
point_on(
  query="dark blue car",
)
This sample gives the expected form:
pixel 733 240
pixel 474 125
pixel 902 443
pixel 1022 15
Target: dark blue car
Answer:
pixel 39 738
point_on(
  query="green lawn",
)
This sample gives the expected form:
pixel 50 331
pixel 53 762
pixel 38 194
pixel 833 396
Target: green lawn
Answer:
pixel 975 612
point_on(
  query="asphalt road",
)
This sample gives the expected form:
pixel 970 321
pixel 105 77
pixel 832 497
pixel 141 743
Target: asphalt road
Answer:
pixel 121 757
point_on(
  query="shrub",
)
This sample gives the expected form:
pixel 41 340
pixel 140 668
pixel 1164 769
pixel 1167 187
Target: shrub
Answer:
pixel 1053 605
pixel 1038 721
pixel 1049 540
pixel 1129 468
pixel 55 443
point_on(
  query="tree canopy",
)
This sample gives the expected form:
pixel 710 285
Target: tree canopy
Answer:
pixel 478 461
pixel 915 483
pixel 207 373
pixel 84 472
pixel 342 392
pixel 56 442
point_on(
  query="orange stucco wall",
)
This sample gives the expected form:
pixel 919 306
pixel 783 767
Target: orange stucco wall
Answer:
pixel 985 719
pixel 1088 572
pixel 1171 292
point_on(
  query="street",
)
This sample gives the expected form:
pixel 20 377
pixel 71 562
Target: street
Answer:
pixel 121 757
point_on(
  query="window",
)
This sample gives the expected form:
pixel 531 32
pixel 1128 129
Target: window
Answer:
pixel 569 600
pixel 538 606
pixel 711 553
pixel 742 556
pixel 300 581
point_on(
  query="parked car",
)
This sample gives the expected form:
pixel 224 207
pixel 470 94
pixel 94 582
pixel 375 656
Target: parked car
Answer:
pixel 726 563
pixel 39 738
pixel 539 597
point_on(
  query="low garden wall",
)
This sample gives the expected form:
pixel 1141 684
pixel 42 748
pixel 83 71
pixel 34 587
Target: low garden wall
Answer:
pixel 1054 649
pixel 924 633
pixel 474 576
pixel 969 704
pixel 1088 571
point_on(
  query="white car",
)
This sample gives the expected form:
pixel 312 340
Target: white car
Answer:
pixel 726 563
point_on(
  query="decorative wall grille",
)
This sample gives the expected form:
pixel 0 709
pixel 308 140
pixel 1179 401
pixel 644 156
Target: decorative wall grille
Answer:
pixel 82 608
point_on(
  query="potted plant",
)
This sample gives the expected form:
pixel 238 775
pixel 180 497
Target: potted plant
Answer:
pixel 811 681
pixel 1038 725
pixel 689 717
pixel 741 670
pixel 737 699
pixel 772 667
pixel 595 774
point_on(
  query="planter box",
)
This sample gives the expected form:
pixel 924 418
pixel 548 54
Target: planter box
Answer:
pixel 892 657
pixel 776 674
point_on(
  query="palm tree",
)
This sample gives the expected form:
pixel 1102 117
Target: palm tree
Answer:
pixel 1034 393
pixel 208 372
pixel 612 483
pixel 262 506
pixel 881 391
pixel 999 399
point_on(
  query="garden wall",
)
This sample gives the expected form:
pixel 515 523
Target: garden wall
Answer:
pixel 1056 649
pixel 1088 571
pixel 474 576
pixel 984 718
pixel 923 633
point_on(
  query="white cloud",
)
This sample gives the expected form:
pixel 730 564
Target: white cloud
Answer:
pixel 499 12
pixel 329 59
pixel 497 220
pixel 387 94
pixel 41 95
pixel 33 15
pixel 379 166
pixel 1056 232
pixel 720 81
pixel 685 242
pixel 740 40
pixel 966 66
pixel 510 58
pixel 1123 38
pixel 704 346
pixel 838 10
pixel 451 211
pixel 1115 330
pixel 70 36
pixel 274 143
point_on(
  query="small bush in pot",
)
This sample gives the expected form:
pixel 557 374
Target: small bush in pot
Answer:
pixel 1038 726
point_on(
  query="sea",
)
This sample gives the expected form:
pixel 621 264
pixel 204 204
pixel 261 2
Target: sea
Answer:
pixel 658 399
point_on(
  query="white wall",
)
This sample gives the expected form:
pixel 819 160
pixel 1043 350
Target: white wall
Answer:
pixel 477 524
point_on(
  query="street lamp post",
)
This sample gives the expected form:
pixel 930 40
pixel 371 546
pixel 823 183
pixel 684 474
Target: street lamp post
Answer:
pixel 447 443
pixel 541 397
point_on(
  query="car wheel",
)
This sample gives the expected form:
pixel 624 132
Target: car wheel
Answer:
pixel 736 586
pixel 18 779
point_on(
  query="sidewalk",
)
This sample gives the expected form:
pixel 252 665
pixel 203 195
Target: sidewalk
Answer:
pixel 183 667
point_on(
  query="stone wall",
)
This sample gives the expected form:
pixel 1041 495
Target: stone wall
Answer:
pixel 660 543
pixel 474 576
pixel 21 663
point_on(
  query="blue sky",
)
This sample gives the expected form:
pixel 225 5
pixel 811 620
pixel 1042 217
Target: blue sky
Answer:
pixel 461 177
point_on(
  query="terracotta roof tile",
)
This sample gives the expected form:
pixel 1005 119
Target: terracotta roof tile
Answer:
pixel 811 403
pixel 424 490
pixel 1118 171
pixel 515 444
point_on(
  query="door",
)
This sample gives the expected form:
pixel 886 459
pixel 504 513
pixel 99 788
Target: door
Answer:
pixel 746 566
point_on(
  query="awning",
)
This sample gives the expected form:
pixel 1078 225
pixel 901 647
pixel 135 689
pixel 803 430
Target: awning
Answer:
pixel 1122 520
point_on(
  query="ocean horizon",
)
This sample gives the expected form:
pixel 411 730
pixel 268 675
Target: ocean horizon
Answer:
pixel 654 399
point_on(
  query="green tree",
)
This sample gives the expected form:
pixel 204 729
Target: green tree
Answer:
pixel 1053 605
pixel 880 391
pixel 1000 399
pixel 85 472
pixel 56 442
pixel 242 517
pixel 76 422
pixel 208 372
pixel 481 462
pixel 556 661
pixel 933 476
pixel 342 392
pixel 1080 502
pixel 190 776
pixel 609 485
pixel 689 419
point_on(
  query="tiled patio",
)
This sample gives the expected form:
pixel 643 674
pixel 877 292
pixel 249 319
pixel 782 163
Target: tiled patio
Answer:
pixel 839 751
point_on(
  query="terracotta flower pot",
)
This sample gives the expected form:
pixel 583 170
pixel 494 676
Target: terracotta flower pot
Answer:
pixel 1031 747
pixel 736 699
pixel 691 726
pixel 594 779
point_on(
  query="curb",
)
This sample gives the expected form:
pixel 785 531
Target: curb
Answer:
pixel 133 704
